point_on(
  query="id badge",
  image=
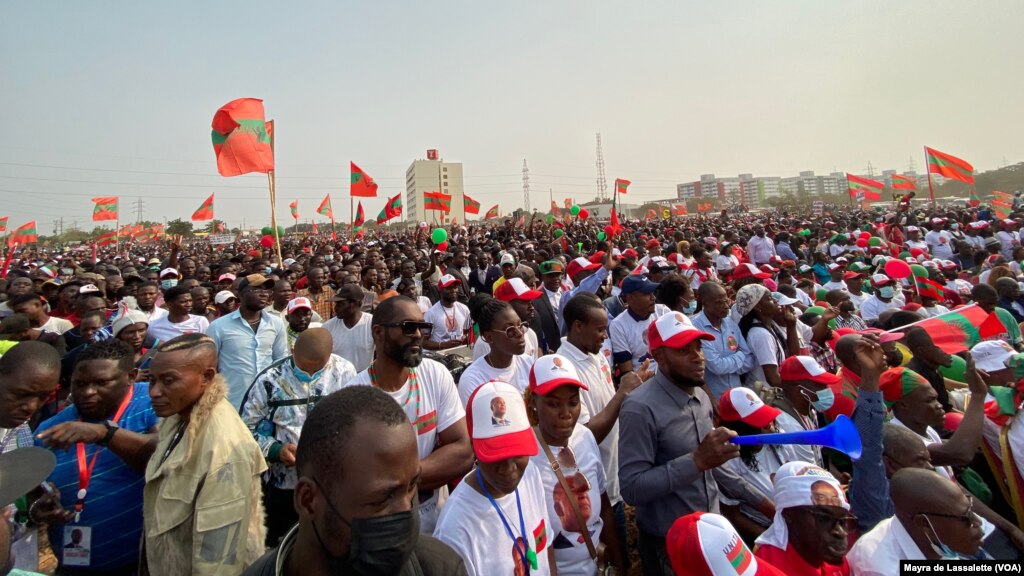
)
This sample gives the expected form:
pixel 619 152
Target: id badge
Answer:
pixel 77 545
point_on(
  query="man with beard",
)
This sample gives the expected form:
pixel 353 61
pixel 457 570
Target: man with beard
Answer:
pixel 248 339
pixel 179 319
pixel 448 318
pixel 841 301
pixel 350 327
pixel 357 477
pixel 318 292
pixel 299 317
pixel 427 393
pixel 670 455
pixel 146 298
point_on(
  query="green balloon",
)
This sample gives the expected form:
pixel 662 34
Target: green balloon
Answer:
pixel 559 233
pixel 438 235
pixel 804 232
pixel 601 236
pixel 551 219
pixel 280 230
pixel 956 371
pixel 904 255
pixel 874 241
pixel 575 210
pixel 820 294
pixel 816 309
pixel 832 324
pixel 919 271
pixel 267 230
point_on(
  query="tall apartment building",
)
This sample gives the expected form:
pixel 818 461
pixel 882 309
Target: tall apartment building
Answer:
pixel 434 175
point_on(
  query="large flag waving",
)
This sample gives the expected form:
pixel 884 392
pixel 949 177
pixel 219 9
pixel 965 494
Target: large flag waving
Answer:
pixel 105 208
pixel 961 329
pixel 949 166
pixel 437 201
pixel 106 239
pixel 492 213
pixel 205 211
pixel 900 182
pixel 3 223
pixel 362 184
pixel 295 209
pixel 864 188
pixel 325 208
pixel 621 185
pixel 24 234
pixel 471 206
pixel 240 138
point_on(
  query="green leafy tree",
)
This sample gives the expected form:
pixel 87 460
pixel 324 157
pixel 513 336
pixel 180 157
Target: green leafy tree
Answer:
pixel 179 226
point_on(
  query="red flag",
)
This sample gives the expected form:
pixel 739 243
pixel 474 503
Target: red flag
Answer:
pixel 949 166
pixel 961 329
pixel 900 182
pixel 105 208
pixel 616 228
pixel 24 234
pixel 471 206
pixel 437 201
pixel 205 211
pixel 295 209
pixel 325 208
pixel 357 224
pixel 362 185
pixel 3 224
pixel 492 213
pixel 621 185
pixel 568 203
pixel 240 138
pixel 864 188
pixel 316 230
pixel 680 210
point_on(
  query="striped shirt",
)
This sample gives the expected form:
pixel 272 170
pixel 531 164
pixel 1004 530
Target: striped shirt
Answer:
pixel 113 506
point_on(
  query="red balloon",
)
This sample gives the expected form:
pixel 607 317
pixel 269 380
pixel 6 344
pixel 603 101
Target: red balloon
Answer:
pixel 862 242
pixel 267 241
pixel 609 231
pixel 443 246
pixel 897 269
pixel 865 235
pixel 584 214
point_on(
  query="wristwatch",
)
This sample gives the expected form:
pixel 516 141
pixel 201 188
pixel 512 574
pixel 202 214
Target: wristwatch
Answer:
pixel 112 427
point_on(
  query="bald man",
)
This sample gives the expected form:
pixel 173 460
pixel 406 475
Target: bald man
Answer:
pixel 201 504
pixel 277 405
pixel 934 520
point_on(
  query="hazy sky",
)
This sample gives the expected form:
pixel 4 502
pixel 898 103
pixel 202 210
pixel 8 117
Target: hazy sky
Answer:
pixel 116 98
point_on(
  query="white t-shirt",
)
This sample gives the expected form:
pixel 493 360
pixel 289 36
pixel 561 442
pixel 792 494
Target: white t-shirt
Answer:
pixel 726 263
pixel 930 437
pixel 439 409
pixel 157 312
pixel 353 344
pixel 767 351
pixel 627 334
pixel 472 527
pixel 163 329
pixel 57 325
pixel 595 371
pixel 940 243
pixel 857 299
pixel 449 323
pixel 481 372
pixel 482 348
pixel 872 307
pixel 571 554
pixel 803 452
pixel 834 285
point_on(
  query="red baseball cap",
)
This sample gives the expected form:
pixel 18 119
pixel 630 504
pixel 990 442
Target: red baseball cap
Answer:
pixel 746 270
pixel 807 368
pixel 851 275
pixel 674 330
pixel 497 422
pixel 706 544
pixel 447 280
pixel 552 371
pixel 742 405
pixel 515 289
pixel 630 253
pixel 652 243
pixel 580 265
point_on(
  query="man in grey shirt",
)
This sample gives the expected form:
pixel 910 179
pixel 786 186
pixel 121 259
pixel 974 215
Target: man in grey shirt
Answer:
pixel 669 452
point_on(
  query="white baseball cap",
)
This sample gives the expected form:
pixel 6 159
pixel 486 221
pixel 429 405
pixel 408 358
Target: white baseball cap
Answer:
pixel 446 281
pixel 674 330
pixel 550 372
pixel 507 258
pixel 706 544
pixel 223 296
pixel 297 304
pixel 497 422
pixel 742 404
pixel 991 355
pixel 169 272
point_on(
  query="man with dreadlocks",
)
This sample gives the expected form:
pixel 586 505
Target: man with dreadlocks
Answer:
pixel 202 501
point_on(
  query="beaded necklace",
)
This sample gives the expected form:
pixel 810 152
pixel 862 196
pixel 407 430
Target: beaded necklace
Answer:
pixel 414 388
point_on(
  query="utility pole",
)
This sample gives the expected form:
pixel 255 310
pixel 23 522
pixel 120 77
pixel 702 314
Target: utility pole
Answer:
pixel 526 187
pixel 602 182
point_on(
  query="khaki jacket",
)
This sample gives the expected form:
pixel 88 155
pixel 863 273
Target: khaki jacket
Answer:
pixel 203 506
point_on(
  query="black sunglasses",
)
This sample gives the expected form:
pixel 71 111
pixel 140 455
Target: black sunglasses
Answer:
pixel 967 517
pixel 410 327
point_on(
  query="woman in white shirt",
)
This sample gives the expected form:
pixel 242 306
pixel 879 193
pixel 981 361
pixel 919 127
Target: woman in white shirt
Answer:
pixel 507 360
pixel 726 261
pixel 578 507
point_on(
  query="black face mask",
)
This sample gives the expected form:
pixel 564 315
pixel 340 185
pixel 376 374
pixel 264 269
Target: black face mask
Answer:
pixel 378 546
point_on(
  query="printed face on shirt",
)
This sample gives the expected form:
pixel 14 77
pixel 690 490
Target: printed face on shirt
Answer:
pixel 580 487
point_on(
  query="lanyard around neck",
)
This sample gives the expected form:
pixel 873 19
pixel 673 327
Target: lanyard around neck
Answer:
pixel 528 556
pixel 85 466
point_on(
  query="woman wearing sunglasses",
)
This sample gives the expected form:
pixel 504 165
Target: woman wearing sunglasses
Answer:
pixel 507 361
pixel 570 464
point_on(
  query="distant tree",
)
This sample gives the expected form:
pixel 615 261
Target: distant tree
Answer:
pixel 179 226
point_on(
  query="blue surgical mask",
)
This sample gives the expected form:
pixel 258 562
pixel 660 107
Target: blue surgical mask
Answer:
pixel 690 308
pixel 165 284
pixel 821 400
pixel 944 552
pixel 329 258
pixel 886 292
pixel 268 270
pixel 305 377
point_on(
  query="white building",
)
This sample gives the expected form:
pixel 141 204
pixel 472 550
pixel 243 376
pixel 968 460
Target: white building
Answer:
pixel 434 176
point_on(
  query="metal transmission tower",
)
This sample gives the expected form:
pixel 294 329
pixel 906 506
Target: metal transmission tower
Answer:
pixel 911 166
pixel 138 205
pixel 602 182
pixel 526 187
pixel 870 170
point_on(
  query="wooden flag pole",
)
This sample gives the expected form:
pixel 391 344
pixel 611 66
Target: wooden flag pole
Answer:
pixel 931 191
pixel 273 217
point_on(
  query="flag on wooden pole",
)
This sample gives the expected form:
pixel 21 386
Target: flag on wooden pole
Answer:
pixel 24 234
pixel 492 213
pixel 205 211
pixel 949 166
pixel 361 183
pixel 105 208
pixel 240 138
pixel 295 209
pixel 325 208
pixel 621 185
pixel 471 206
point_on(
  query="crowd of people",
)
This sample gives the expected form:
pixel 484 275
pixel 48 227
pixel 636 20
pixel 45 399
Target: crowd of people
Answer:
pixel 553 396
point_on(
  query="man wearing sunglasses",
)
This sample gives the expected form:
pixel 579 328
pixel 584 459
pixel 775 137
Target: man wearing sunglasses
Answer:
pixel 426 392
pixel 934 520
pixel 811 525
